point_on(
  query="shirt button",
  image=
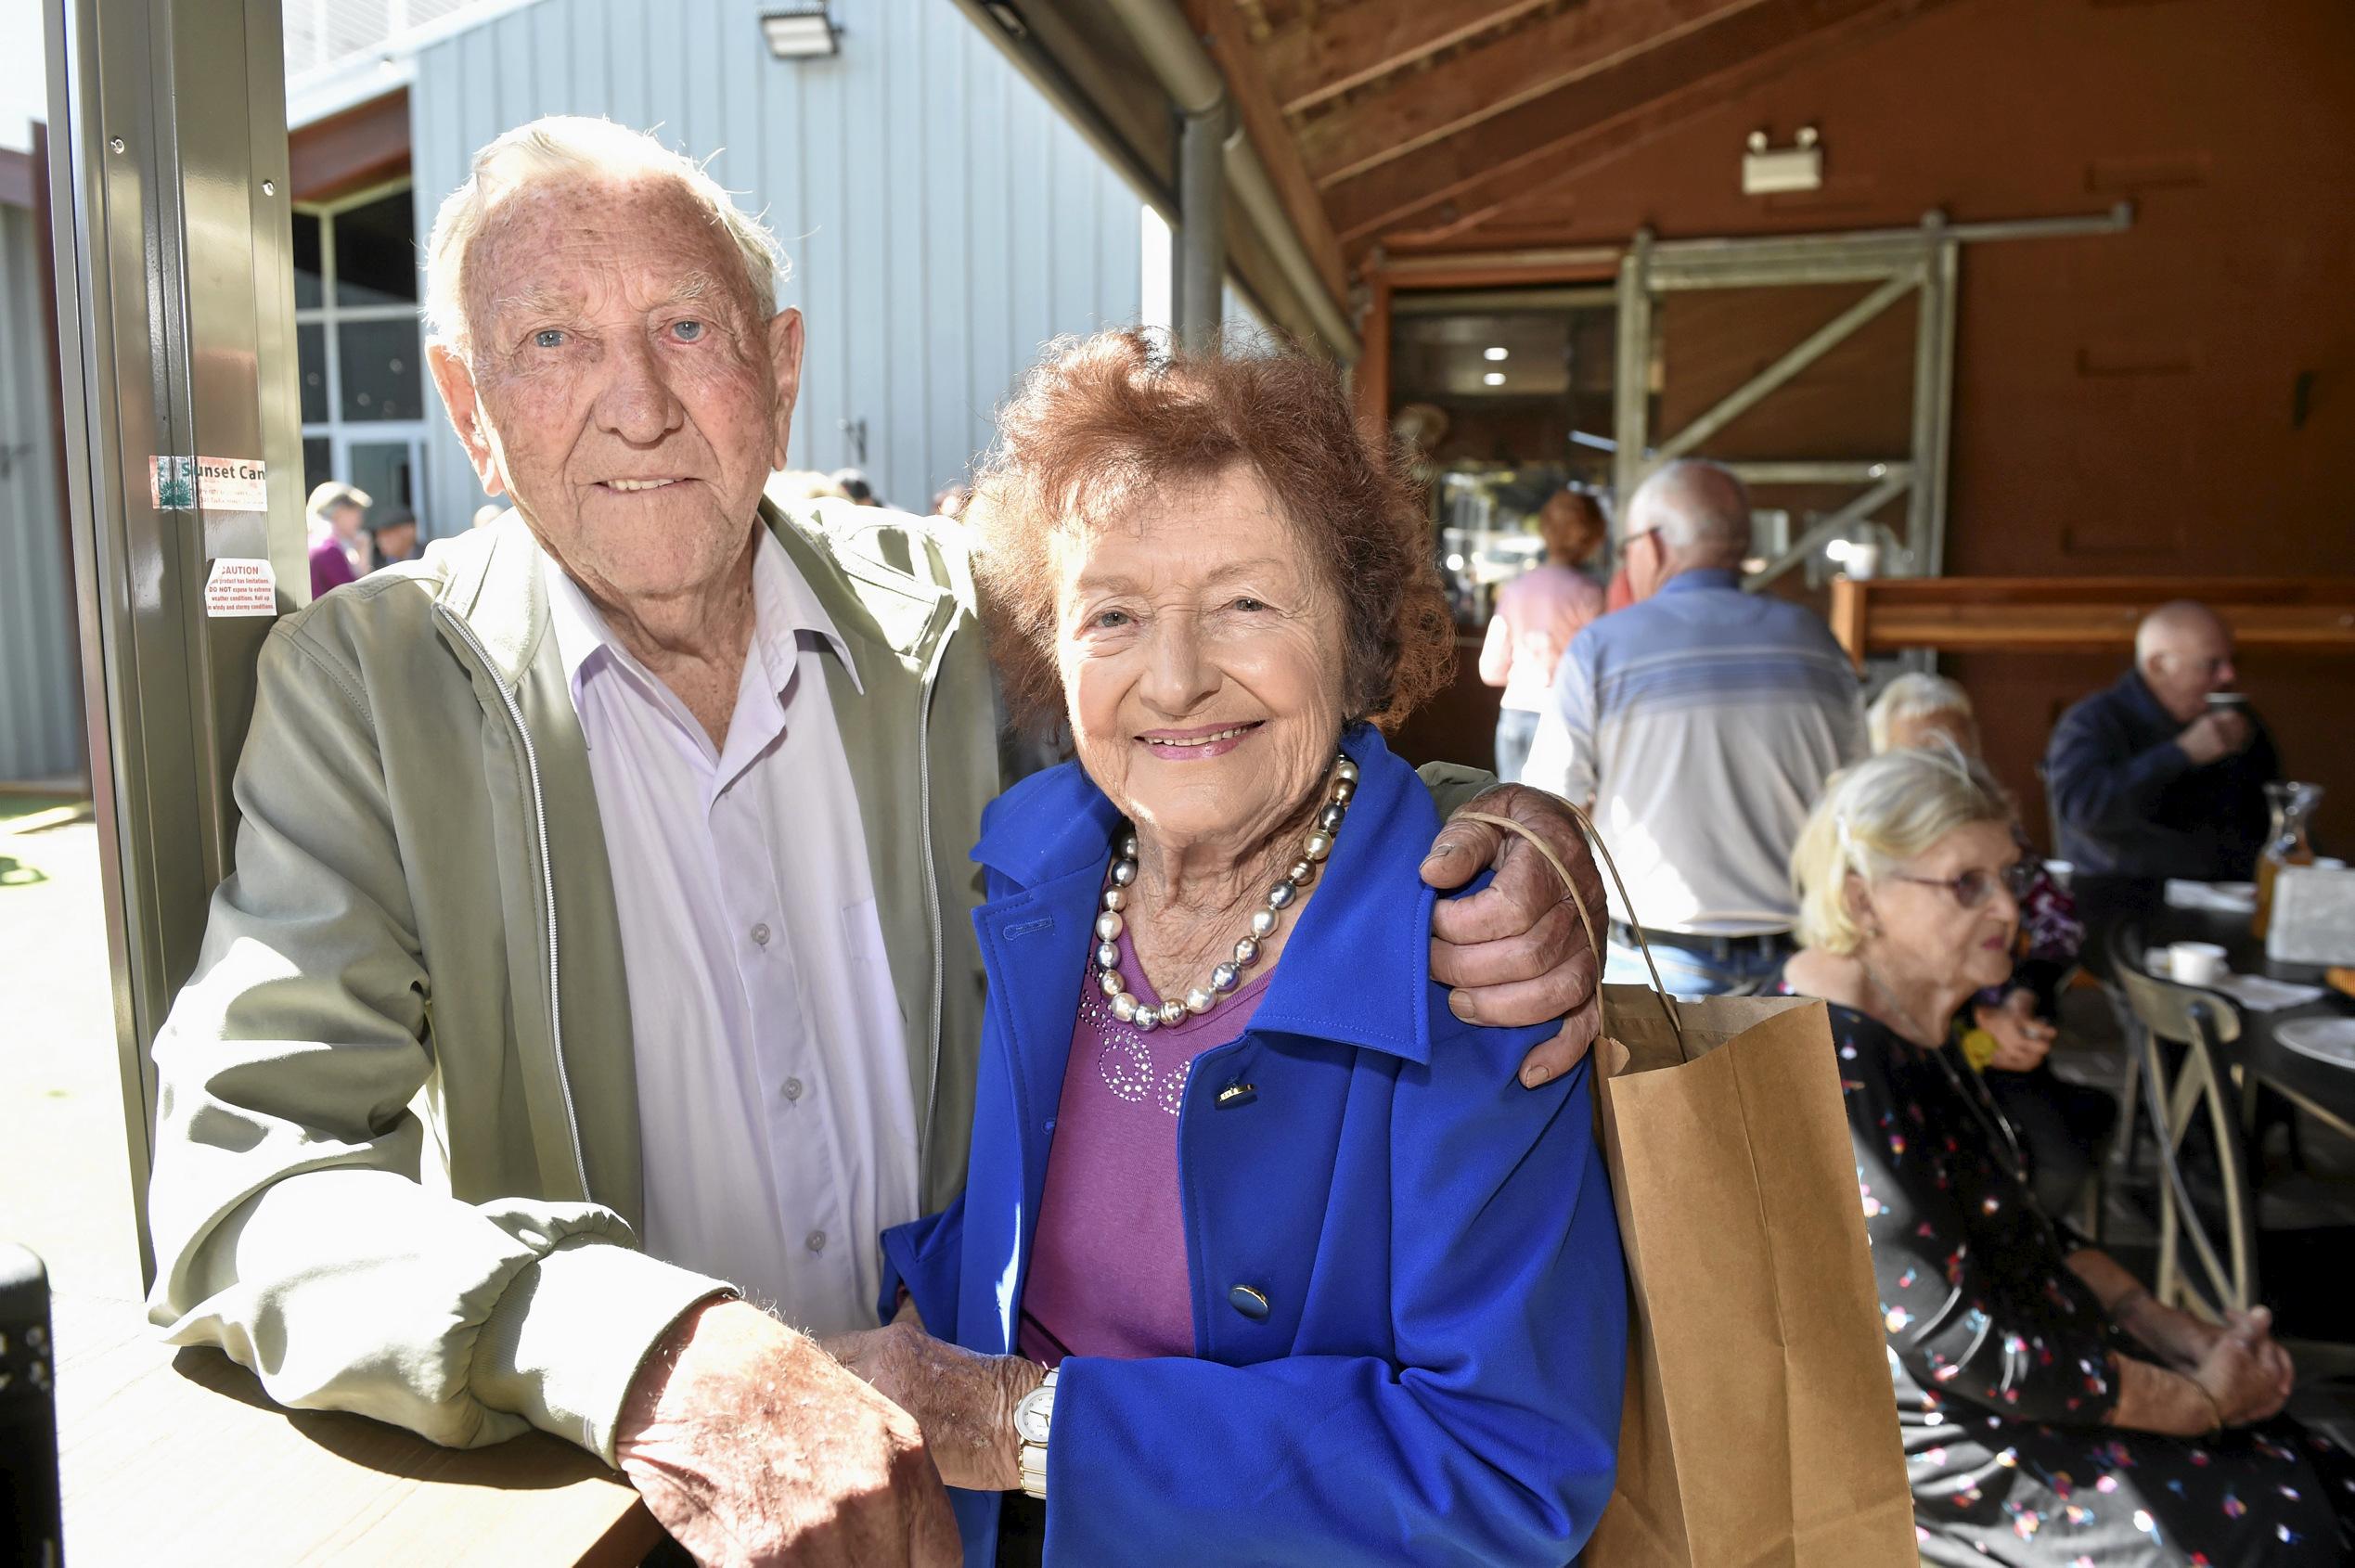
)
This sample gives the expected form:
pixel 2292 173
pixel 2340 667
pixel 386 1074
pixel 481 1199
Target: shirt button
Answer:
pixel 792 1089
pixel 815 1240
pixel 760 935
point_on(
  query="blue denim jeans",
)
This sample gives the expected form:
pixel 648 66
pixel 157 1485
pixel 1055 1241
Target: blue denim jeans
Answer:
pixel 1687 973
pixel 1516 727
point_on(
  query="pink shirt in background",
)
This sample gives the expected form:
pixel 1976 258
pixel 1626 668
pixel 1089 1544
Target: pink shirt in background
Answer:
pixel 1538 613
pixel 1108 1269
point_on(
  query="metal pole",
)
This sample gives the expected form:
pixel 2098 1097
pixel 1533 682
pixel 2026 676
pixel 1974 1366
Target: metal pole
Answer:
pixel 1201 236
pixel 175 289
pixel 1631 383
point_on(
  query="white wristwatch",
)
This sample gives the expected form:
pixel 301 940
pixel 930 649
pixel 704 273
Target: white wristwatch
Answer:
pixel 1032 1415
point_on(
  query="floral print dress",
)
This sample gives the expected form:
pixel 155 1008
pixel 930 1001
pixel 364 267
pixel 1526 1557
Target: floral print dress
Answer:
pixel 2006 1365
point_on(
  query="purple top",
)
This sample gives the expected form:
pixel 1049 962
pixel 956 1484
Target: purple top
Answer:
pixel 330 566
pixel 1108 1269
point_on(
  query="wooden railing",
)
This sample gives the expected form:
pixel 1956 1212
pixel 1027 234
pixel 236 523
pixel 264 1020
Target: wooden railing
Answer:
pixel 2082 614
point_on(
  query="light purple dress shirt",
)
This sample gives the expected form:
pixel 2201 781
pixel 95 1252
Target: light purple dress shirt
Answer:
pixel 777 1117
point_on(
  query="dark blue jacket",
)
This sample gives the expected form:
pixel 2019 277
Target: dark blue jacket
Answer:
pixel 2129 804
pixel 1435 1374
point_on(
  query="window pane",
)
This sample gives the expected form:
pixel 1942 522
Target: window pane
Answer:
pixel 380 370
pixel 387 471
pixel 318 465
pixel 306 262
pixel 376 253
pixel 310 352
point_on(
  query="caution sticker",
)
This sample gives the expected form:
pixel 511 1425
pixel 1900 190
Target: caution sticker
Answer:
pixel 237 585
pixel 213 485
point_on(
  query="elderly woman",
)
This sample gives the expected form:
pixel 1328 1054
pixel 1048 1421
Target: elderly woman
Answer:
pixel 1274 1260
pixel 2007 1031
pixel 1538 613
pixel 2053 1412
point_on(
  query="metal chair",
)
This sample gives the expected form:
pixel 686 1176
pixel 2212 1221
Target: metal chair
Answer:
pixel 2204 1024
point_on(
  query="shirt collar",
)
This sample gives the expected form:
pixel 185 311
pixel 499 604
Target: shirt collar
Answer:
pixel 1697 578
pixel 784 609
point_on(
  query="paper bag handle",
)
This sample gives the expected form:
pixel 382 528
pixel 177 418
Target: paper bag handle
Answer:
pixel 1586 825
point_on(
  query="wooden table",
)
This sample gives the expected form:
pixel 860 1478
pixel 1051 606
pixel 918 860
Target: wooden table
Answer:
pixel 177 1456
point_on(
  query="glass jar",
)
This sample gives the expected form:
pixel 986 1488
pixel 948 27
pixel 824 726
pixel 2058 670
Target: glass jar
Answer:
pixel 2287 842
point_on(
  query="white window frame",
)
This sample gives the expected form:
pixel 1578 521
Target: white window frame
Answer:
pixel 343 434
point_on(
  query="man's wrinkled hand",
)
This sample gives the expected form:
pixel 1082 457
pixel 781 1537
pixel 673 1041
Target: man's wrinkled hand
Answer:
pixel 1515 953
pixel 964 1401
pixel 751 1445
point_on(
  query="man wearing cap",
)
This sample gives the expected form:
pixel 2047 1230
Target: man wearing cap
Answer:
pixel 340 551
pixel 392 534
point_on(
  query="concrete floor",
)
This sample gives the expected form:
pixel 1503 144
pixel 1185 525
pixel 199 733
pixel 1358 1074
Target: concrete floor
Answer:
pixel 65 1184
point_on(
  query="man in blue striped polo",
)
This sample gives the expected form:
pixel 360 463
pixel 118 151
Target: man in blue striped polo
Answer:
pixel 1699 725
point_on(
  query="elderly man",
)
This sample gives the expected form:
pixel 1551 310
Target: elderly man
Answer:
pixel 2164 774
pixel 601 883
pixel 1701 722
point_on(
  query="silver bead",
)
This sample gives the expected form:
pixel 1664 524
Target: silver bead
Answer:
pixel 1247 951
pixel 1330 818
pixel 1109 925
pixel 1115 898
pixel 1199 1001
pixel 1128 846
pixel 1109 982
pixel 1347 770
pixel 1344 788
pixel 1123 873
pixel 1263 922
pixel 1172 1014
pixel 1124 1008
pixel 1146 1021
pixel 1281 894
pixel 1225 978
pixel 1316 846
pixel 1303 872
pixel 1107 955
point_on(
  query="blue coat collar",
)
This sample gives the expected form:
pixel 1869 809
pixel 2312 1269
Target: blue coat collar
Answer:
pixel 1356 970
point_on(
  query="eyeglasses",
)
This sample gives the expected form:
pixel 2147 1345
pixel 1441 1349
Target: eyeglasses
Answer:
pixel 1974 887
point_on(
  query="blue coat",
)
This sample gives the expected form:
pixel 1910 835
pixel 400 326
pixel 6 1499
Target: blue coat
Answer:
pixel 1434 1374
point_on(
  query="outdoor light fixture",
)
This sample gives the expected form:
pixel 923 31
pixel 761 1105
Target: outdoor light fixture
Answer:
pixel 1494 378
pixel 1497 352
pixel 1766 170
pixel 803 32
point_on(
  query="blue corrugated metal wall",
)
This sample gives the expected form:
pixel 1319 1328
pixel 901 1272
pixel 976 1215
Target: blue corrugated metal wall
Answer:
pixel 943 220
pixel 40 716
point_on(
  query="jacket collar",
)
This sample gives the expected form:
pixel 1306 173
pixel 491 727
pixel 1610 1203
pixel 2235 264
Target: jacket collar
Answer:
pixel 498 588
pixel 1696 578
pixel 2140 700
pixel 1357 966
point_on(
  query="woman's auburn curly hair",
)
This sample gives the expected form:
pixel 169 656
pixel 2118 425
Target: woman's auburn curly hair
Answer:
pixel 1104 423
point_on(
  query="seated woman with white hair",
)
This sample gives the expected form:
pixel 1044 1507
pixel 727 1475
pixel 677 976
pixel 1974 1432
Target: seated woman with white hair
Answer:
pixel 2007 1031
pixel 2052 1412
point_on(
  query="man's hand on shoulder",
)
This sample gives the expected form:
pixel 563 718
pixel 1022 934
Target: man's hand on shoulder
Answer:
pixel 751 1445
pixel 1515 952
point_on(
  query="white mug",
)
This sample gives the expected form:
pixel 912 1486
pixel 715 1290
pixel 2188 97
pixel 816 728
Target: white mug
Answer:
pixel 2195 963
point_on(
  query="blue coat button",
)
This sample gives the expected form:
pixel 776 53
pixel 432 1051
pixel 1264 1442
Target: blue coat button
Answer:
pixel 1248 1302
pixel 1236 1093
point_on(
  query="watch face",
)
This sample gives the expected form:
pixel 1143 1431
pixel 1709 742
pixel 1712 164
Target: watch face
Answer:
pixel 1032 1414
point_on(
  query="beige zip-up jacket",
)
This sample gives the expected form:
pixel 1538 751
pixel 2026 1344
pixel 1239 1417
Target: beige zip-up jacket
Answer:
pixel 397 1153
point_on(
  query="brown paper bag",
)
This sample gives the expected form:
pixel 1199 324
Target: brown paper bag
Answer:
pixel 1759 1426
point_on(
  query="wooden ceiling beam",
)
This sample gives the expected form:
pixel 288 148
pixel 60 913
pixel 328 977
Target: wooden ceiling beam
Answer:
pixel 1221 30
pixel 1311 60
pixel 1497 76
pixel 1470 179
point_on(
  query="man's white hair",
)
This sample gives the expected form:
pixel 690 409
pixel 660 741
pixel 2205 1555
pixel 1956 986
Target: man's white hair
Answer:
pixel 566 144
pixel 1913 696
pixel 1697 507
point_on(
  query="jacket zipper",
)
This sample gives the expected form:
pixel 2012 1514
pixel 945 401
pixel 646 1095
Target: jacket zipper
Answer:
pixel 548 887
